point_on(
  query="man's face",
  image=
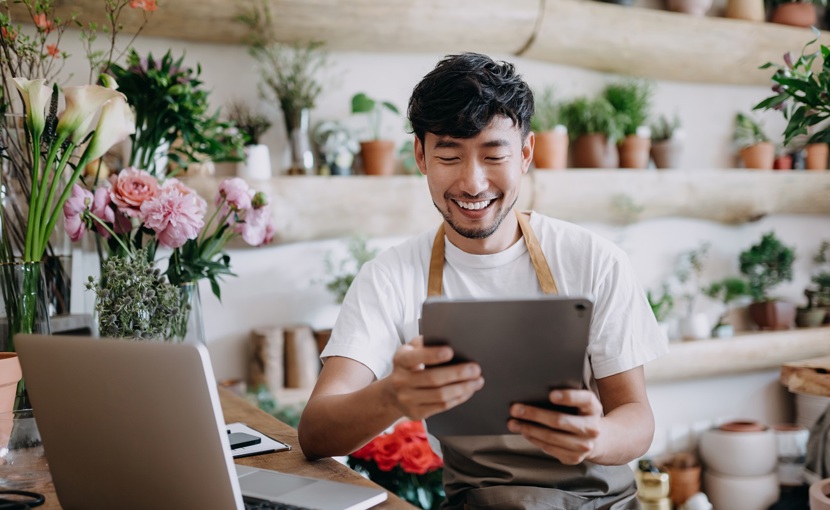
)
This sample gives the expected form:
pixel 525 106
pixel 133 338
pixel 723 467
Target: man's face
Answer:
pixel 474 182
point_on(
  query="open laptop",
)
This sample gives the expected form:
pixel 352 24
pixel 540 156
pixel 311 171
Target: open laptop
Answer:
pixel 136 425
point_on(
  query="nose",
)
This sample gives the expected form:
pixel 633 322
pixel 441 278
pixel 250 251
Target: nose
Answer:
pixel 473 178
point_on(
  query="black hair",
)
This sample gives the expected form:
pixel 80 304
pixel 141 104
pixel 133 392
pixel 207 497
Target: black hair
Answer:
pixel 462 95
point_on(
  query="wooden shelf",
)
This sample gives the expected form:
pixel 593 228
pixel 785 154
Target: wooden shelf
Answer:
pixel 309 208
pixel 742 353
pixel 605 37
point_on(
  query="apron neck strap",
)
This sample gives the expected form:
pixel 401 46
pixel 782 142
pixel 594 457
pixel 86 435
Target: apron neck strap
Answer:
pixel 537 257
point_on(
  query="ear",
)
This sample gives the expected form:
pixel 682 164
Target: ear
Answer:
pixel 527 151
pixel 420 157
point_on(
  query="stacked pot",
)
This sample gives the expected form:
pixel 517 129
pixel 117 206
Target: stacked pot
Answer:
pixel 740 461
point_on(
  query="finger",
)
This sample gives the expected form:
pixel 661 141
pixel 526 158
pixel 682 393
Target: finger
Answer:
pixel 579 425
pixel 417 357
pixel 432 403
pixel 441 376
pixel 565 456
pixel 585 401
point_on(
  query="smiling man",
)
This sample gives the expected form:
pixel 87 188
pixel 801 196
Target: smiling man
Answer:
pixel 471 118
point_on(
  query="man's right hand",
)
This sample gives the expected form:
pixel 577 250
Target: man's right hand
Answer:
pixel 420 389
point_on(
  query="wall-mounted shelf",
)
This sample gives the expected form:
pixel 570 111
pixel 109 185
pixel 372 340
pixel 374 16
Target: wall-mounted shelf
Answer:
pixel 743 353
pixel 309 208
pixel 628 40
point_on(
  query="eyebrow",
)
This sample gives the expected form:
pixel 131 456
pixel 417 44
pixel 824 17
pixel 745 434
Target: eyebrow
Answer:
pixel 450 143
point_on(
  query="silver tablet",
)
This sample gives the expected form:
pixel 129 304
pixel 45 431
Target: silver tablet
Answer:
pixel 525 347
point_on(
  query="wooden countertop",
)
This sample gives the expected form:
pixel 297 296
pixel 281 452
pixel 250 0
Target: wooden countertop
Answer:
pixel 236 409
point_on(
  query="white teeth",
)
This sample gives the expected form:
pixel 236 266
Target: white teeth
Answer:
pixel 473 206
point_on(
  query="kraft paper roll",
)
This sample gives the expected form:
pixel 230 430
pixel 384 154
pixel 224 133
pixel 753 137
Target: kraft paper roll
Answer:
pixel 818 495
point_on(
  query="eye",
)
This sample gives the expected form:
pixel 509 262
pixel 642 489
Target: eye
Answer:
pixel 496 159
pixel 447 159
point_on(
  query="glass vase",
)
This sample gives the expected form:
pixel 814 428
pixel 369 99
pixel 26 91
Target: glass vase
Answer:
pixel 22 460
pixel 190 325
pixel 297 122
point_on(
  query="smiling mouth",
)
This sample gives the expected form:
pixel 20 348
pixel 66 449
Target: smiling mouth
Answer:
pixel 473 206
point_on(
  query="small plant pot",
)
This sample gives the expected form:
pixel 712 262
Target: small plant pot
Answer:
pixel 551 150
pixel 750 10
pixel 775 315
pixel 759 156
pixel 810 317
pixel 723 331
pixel 783 162
pixel 695 327
pixel 590 151
pixel 816 153
pixel 634 152
pixel 797 14
pixel 378 157
pixel 692 7
pixel 666 154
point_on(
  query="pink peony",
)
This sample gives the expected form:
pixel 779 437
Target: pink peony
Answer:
pixel 73 210
pixel 184 190
pixel 174 216
pixel 237 195
pixel 131 188
pixel 257 227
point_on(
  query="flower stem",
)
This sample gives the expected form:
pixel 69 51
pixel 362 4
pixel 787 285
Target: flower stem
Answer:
pixel 30 224
pixel 44 233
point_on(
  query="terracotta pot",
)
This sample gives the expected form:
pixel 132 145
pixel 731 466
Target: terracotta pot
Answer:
pixel 551 150
pixel 10 374
pixel 590 151
pixel 378 157
pixel 797 14
pixel 750 10
pixel 666 154
pixel 693 7
pixel 684 482
pixel 742 426
pixel 759 156
pixel 816 154
pixel 783 162
pixel 773 314
pixel 634 151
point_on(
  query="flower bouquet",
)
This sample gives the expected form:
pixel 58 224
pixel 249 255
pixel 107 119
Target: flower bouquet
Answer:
pixel 403 462
pixel 135 213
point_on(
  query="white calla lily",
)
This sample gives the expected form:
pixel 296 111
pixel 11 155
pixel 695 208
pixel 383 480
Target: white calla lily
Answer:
pixel 36 96
pixel 82 103
pixel 115 124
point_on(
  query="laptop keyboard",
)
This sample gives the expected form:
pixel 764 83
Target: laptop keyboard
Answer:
pixel 261 504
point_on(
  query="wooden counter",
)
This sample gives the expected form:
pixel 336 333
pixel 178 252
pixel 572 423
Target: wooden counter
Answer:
pixel 236 409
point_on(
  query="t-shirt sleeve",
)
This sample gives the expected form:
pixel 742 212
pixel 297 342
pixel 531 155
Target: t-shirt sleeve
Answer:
pixel 624 331
pixel 366 326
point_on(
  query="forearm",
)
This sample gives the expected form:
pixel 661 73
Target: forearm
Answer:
pixel 338 424
pixel 625 434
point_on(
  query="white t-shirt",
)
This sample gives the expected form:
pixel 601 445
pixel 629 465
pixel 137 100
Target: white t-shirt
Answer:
pixel 382 307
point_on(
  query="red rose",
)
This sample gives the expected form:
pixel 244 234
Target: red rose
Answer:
pixel 411 430
pixel 387 453
pixel 417 457
pixel 366 452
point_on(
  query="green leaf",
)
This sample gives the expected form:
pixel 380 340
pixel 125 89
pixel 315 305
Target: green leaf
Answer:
pixel 361 103
pixel 389 106
pixel 771 102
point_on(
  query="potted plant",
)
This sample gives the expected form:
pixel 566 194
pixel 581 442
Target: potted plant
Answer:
pixel 378 154
pixel 727 291
pixel 693 325
pixel 257 164
pixel 800 13
pixel 593 128
pixel 666 142
pixel 661 306
pixel 754 146
pixel 632 102
pixel 818 295
pixel 551 149
pixel 337 146
pixel 765 265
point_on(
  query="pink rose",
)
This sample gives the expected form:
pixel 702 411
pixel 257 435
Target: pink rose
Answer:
pixel 131 188
pixel 236 194
pixel 174 217
pixel 104 209
pixel 256 227
pixel 73 210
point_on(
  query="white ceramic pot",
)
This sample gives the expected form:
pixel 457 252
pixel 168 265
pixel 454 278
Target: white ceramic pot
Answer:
pixel 257 164
pixel 741 492
pixel 695 327
pixel 741 454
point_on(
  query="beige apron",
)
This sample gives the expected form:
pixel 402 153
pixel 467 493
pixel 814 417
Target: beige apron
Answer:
pixel 508 472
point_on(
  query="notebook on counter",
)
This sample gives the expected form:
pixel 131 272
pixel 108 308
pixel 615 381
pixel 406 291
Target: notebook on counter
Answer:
pixel 135 425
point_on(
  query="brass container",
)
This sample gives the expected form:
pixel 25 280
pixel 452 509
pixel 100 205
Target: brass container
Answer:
pixel 652 486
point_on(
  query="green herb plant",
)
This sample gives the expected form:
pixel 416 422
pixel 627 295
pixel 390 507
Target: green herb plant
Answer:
pixel 766 265
pixel 583 116
pixel 631 100
pixel 547 111
pixel 373 109
pixel 343 273
pixel 727 291
pixel 663 128
pixel 748 131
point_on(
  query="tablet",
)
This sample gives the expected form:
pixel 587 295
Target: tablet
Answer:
pixel 526 347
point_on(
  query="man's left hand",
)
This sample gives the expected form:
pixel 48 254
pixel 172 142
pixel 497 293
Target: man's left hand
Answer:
pixel 571 438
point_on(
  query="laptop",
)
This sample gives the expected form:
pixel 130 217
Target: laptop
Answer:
pixel 136 425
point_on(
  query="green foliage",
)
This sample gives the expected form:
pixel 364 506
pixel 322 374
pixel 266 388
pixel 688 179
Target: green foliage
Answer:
pixel 663 128
pixel 361 103
pixel 171 104
pixel 688 272
pixel 727 290
pixel 748 131
pixel 661 306
pixel 135 300
pixel 546 115
pixel 346 270
pixel 766 265
pixel 424 491
pixel 265 400
pixel 632 102
pixel 801 91
pixel 253 125
pixel 584 116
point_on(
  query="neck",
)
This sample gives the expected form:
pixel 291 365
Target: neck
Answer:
pixel 504 237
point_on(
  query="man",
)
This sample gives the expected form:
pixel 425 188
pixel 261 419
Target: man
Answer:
pixel 471 120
